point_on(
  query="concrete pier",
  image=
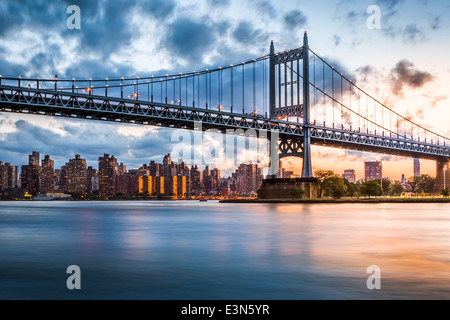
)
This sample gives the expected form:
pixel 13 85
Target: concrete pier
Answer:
pixel 442 166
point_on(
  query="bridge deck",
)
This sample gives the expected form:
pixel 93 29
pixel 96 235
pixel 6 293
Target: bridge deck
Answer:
pixel 67 104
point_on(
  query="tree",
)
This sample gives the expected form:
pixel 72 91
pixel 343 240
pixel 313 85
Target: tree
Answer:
pixel 427 183
pixel 445 193
pixel 334 187
pixel 323 175
pixel 297 193
pixel 371 189
pixel 414 182
pixel 396 189
pixel 385 185
pixel 352 189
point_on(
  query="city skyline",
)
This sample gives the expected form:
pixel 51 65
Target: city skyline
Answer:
pixel 110 177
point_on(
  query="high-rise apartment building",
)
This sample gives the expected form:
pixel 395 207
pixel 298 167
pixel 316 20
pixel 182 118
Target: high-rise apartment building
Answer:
pixel 416 167
pixel 30 176
pixel 47 175
pixel 350 175
pixel 107 172
pixel 8 176
pixel 373 170
pixel 77 175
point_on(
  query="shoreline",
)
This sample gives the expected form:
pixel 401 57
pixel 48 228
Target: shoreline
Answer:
pixel 341 201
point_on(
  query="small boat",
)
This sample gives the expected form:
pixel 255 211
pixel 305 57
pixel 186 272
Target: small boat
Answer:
pixel 43 197
pixel 203 200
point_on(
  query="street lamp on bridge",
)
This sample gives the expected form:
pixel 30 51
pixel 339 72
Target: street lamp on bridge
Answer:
pixel 445 169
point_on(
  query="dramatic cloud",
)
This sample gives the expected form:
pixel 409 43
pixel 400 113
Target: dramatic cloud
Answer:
pixel 264 7
pixel 159 9
pixel 405 75
pixel 295 19
pixel 190 39
pixel 246 34
pixel 413 34
pixel 219 3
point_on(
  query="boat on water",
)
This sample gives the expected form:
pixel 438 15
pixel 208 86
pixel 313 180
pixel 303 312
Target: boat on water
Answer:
pixel 203 200
pixel 52 197
pixel 43 197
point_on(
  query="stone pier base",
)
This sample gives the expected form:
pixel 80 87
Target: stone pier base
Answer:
pixel 439 185
pixel 279 189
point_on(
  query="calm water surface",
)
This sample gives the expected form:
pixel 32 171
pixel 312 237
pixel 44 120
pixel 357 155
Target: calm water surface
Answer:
pixel 193 250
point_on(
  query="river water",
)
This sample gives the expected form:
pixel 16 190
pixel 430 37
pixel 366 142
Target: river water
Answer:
pixel 208 250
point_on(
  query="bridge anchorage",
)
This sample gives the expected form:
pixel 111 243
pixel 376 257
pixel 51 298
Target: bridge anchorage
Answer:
pixel 295 94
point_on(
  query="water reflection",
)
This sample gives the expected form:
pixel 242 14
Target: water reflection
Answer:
pixel 187 250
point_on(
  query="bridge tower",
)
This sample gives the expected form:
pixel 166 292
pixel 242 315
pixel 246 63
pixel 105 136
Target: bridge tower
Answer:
pixel 288 99
pixel 442 176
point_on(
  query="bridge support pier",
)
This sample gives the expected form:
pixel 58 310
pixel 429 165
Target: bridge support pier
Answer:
pixel 442 176
pixel 274 160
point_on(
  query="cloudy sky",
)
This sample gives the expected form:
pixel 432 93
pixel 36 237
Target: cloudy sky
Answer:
pixel 404 64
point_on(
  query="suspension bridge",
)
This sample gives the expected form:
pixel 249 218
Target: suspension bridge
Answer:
pixel 295 93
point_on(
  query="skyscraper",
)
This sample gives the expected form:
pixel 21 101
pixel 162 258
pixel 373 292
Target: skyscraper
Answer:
pixel 77 175
pixel 196 180
pixel 92 176
pixel 30 175
pixel 373 170
pixel 8 176
pixel 107 171
pixel 416 167
pixel 47 175
pixel 350 175
pixel 215 180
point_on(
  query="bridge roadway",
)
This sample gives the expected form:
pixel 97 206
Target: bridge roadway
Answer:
pixel 116 109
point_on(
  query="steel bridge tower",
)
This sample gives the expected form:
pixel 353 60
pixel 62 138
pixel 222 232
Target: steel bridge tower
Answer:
pixel 289 99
